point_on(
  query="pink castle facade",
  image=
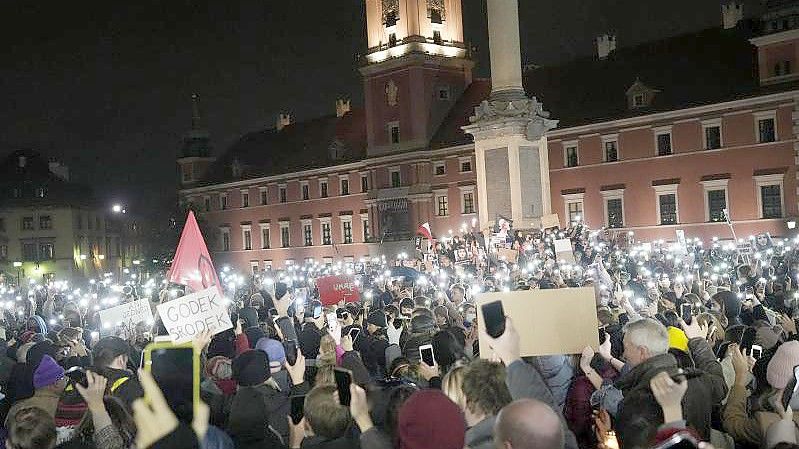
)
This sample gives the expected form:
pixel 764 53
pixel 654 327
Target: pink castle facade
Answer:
pixel 666 146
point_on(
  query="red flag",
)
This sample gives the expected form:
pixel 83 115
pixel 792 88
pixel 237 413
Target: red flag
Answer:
pixel 192 264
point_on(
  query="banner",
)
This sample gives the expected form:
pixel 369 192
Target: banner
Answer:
pixel 190 315
pixel 127 315
pixel 508 255
pixel 540 317
pixel 334 289
pixel 550 221
pixel 192 264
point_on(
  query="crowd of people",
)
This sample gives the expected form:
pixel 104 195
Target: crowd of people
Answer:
pixel 697 347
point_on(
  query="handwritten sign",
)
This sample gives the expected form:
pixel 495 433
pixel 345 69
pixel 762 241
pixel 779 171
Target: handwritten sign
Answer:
pixel 563 250
pixel 126 315
pixel 188 316
pixel 334 289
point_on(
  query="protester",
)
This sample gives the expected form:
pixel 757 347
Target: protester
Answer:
pixel 697 340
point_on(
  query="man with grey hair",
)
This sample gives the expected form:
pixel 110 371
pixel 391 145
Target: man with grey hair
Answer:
pixel 528 424
pixel 646 350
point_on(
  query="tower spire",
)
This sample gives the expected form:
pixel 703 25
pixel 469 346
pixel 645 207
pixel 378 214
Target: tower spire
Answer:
pixel 195 111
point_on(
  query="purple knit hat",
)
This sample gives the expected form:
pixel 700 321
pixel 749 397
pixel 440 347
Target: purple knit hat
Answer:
pixel 48 372
pixel 274 349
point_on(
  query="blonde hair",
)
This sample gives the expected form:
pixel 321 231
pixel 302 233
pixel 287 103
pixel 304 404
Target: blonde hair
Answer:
pixel 452 386
pixel 327 350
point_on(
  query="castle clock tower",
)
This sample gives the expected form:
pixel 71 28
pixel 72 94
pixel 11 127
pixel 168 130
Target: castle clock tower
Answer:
pixel 415 68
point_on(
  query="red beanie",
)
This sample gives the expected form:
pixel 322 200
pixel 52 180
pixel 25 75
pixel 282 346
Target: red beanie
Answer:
pixel 429 419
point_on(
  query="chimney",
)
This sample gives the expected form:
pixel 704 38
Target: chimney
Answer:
pixel 283 120
pixel 732 13
pixel 605 45
pixel 342 107
pixel 59 169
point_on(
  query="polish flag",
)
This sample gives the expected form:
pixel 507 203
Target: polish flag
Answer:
pixel 192 264
pixel 425 231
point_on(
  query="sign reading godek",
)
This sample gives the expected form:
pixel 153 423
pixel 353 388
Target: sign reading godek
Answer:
pixel 190 315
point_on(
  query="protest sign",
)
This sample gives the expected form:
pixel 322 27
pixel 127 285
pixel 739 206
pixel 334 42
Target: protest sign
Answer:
pixel 558 321
pixel 334 289
pixel 550 221
pixel 563 250
pixel 128 315
pixel 188 316
pixel 508 255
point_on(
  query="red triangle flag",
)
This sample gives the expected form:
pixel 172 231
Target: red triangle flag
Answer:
pixel 192 264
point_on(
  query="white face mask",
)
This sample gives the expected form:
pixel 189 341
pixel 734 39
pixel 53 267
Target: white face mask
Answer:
pixel 470 317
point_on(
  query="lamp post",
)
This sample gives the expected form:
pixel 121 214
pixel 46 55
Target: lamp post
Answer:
pixel 121 210
pixel 18 266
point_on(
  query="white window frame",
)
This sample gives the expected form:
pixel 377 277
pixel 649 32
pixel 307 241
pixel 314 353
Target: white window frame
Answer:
pixel 391 171
pixel 763 115
pixel 461 160
pixel 570 144
pixel 464 190
pixel 265 227
pixel 247 193
pixel 341 179
pixel 282 188
pixel 439 193
pixel 716 184
pixel 666 189
pixel 225 230
pixel 389 127
pixel 573 198
pixel 440 164
pixel 322 222
pixel 268 265
pixel 261 197
pixel 304 184
pixel 365 176
pixel 254 267
pixel 304 223
pixel 365 227
pixel 606 139
pixel 285 225
pixel 712 123
pixel 223 203
pixel 636 104
pixel 346 219
pixel 777 179
pixel 244 230
pixel 659 131
pixel 325 182
pixel 613 195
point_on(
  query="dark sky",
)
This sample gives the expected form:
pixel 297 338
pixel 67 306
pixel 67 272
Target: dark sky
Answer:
pixel 105 85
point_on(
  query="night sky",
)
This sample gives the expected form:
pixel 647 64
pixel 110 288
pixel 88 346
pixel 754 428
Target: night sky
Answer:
pixel 106 86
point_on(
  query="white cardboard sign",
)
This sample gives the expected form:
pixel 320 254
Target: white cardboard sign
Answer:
pixel 188 316
pixel 129 315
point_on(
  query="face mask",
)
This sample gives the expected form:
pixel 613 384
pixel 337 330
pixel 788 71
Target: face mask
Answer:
pixel 470 317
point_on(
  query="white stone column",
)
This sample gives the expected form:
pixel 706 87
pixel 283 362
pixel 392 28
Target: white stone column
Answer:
pixel 503 36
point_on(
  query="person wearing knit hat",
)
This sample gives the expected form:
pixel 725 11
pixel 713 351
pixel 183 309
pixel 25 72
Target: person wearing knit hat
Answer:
pixel 429 419
pixel 219 370
pixel 377 319
pixel 251 368
pixel 780 368
pixel 677 339
pixel 274 351
pixel 49 382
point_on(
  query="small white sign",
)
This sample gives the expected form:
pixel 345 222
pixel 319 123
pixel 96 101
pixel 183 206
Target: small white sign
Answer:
pixel 127 315
pixel 188 316
pixel 563 250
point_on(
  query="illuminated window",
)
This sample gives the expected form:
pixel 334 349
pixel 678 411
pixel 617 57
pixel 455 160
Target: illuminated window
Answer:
pixel 326 237
pixel 307 233
pixel 346 231
pixel 442 205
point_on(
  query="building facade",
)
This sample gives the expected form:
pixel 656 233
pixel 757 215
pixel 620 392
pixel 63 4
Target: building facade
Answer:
pixel 50 227
pixel 653 138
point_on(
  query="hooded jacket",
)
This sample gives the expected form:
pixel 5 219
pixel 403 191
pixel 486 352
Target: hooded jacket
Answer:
pixel 258 413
